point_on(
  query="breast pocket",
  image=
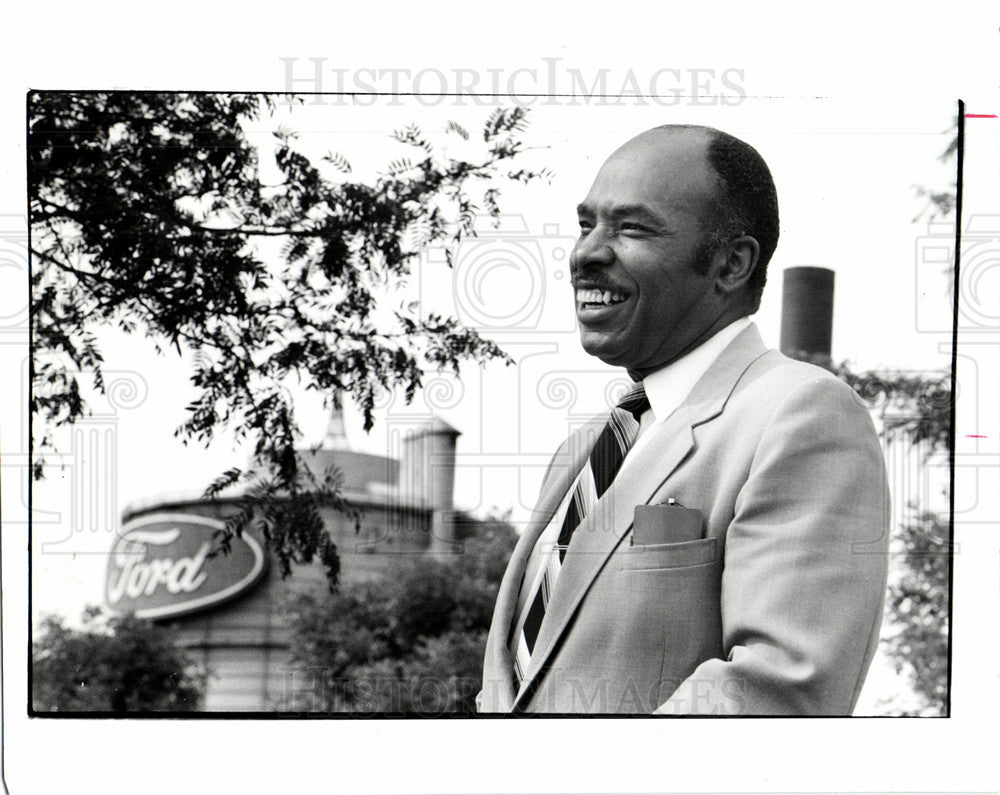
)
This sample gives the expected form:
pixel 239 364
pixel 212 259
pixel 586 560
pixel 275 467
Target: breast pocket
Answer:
pixel 678 555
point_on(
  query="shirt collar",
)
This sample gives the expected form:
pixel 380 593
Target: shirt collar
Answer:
pixel 667 387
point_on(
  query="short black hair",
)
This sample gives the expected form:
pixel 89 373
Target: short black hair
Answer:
pixel 747 203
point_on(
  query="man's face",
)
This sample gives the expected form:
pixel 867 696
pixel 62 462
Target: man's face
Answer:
pixel 639 300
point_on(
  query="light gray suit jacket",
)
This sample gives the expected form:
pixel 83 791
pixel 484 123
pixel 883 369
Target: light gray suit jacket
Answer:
pixel 773 610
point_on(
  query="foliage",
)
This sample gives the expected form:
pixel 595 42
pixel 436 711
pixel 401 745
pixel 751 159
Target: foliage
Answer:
pixel 411 642
pixel 940 203
pixel 919 606
pixel 116 664
pixel 148 213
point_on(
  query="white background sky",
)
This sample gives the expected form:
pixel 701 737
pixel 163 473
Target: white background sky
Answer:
pixel 847 103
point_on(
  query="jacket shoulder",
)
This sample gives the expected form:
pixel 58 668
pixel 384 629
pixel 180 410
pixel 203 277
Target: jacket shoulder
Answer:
pixel 774 384
pixel 778 373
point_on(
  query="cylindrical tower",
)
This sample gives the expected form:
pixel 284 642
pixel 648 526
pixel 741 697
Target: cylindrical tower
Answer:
pixel 427 477
pixel 807 312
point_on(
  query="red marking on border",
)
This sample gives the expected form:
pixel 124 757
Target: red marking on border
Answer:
pixel 980 115
pixel 975 436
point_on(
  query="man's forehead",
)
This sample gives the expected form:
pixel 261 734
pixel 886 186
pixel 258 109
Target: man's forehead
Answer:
pixel 655 168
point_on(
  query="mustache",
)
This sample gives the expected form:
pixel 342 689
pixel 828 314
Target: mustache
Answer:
pixel 587 283
pixel 585 277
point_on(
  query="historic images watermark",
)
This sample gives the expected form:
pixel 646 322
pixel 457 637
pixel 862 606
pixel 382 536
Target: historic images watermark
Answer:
pixel 317 690
pixel 550 82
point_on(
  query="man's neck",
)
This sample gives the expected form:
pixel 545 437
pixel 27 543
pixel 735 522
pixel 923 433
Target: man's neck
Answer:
pixel 720 323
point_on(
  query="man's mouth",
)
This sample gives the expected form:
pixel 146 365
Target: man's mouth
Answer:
pixel 598 299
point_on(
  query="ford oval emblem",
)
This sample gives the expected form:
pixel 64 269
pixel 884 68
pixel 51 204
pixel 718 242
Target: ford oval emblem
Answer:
pixel 160 566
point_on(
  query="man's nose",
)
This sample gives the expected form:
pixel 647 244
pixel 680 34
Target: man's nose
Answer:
pixel 592 249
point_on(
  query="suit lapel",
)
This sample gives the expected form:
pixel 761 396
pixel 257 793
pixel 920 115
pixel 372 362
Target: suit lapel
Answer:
pixel 566 465
pixel 602 530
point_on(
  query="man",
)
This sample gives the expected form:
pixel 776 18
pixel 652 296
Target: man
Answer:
pixel 718 544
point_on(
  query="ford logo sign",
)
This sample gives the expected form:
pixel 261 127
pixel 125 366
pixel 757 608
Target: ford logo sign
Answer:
pixel 160 566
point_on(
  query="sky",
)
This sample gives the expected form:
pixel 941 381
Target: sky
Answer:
pixel 847 102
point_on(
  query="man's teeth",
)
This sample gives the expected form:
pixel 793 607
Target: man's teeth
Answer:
pixel 598 297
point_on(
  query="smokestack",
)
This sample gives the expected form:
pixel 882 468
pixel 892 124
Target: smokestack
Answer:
pixel 807 313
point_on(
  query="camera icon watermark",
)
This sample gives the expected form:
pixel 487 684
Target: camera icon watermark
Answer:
pixel 506 278
pixel 578 395
pixel 979 277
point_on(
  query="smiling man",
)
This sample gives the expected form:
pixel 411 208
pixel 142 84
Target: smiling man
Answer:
pixel 717 544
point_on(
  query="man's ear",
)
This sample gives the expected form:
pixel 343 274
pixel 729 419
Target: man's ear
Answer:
pixel 734 263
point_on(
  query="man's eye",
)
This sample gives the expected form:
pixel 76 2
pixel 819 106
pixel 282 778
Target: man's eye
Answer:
pixel 585 226
pixel 628 226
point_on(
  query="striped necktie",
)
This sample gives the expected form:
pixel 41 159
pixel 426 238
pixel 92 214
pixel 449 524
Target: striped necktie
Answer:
pixel 602 465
